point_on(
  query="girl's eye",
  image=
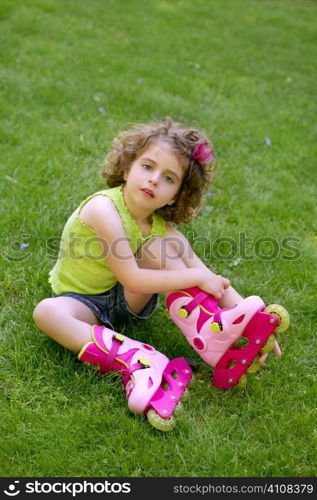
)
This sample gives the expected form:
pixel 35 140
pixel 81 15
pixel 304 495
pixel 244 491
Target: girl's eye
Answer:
pixel 146 166
pixel 169 179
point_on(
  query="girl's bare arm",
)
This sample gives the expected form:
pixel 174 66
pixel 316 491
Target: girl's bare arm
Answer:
pixel 102 216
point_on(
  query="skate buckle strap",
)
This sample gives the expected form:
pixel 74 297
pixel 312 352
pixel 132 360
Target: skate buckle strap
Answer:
pixel 216 325
pixel 142 363
pixel 217 316
pixel 188 308
pixel 117 340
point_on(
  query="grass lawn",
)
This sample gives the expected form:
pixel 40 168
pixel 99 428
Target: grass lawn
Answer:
pixel 73 74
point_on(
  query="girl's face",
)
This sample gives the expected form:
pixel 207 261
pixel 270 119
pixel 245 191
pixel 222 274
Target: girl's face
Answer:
pixel 154 178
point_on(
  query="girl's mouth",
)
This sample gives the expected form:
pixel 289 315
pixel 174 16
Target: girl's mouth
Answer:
pixel 148 192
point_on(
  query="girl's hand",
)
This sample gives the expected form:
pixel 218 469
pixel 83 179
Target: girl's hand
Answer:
pixel 226 282
pixel 214 284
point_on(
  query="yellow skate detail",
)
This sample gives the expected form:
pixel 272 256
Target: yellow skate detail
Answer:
pixel 183 313
pixel 215 327
pixel 119 337
pixel 144 362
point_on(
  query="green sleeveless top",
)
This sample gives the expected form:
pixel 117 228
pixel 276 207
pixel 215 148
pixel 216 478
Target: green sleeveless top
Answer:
pixel 81 267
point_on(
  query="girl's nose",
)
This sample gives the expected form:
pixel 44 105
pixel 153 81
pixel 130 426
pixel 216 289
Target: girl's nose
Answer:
pixel 153 181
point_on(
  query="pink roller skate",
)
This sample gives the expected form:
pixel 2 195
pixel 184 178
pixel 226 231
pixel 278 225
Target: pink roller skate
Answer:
pixel 214 333
pixel 153 383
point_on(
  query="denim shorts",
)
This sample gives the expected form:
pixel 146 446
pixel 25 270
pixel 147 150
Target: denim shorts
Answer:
pixel 111 307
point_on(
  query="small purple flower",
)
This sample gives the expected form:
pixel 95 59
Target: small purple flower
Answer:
pixel 267 142
pixel 202 153
pixel 24 245
pixel 101 110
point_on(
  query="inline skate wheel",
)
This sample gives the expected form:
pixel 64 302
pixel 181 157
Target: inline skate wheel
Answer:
pixel 185 394
pixel 190 384
pixel 242 382
pixel 162 424
pixel 255 365
pixel 179 408
pixel 282 314
pixel 269 346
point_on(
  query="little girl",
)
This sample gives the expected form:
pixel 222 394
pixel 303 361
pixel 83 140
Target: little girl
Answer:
pixel 119 248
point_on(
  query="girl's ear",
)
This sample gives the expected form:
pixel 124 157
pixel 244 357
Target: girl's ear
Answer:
pixel 125 174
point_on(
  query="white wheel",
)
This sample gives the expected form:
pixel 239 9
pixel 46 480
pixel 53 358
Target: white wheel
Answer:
pixel 191 383
pixel 269 346
pixel 162 424
pixel 255 365
pixel 178 408
pixel 282 314
pixel 242 382
pixel 185 395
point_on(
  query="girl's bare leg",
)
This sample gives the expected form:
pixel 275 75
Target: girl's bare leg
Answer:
pixel 230 298
pixel 152 256
pixel 164 255
pixel 66 320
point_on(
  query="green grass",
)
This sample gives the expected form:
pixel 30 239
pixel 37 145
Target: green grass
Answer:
pixel 242 70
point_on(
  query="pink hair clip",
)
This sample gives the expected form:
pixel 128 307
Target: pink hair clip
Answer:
pixel 202 153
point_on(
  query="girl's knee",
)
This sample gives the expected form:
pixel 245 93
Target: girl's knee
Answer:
pixel 43 310
pixel 52 310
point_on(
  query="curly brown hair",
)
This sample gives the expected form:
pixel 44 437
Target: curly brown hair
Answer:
pixel 128 146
